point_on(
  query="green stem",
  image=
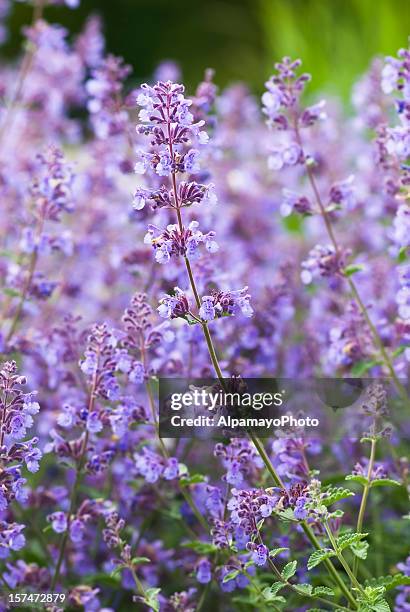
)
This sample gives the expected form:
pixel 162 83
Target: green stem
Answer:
pixel 138 583
pixel 294 587
pixel 341 558
pixel 329 565
pixel 366 491
pixel 353 288
pixel 259 446
pixel 73 501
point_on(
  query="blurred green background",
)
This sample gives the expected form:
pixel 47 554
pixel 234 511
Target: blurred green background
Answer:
pixel 241 39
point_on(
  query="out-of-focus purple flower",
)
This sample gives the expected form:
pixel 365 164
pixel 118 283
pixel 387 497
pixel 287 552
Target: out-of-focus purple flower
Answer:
pixel 203 571
pixel 99 364
pixel 58 521
pixel 260 554
pixel 11 538
pixel 294 202
pixel 322 262
pixel 76 531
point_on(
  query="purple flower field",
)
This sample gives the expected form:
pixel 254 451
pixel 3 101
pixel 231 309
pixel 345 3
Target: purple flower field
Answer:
pixel 150 232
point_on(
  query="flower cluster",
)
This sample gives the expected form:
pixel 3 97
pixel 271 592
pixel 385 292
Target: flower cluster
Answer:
pixel 174 242
pixel 314 218
pixel 16 413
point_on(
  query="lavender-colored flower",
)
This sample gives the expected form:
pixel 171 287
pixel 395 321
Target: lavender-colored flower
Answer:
pixel 108 115
pixel 173 242
pixel 58 521
pixel 322 262
pixel 260 553
pixel 293 202
pixel 224 303
pixel 99 364
pixel 11 538
pixel 203 571
pixel 248 507
pixel 174 306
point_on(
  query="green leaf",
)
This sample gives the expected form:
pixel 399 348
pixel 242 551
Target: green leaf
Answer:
pixel 356 478
pixel 318 556
pixel 323 590
pixel 202 548
pixel 385 482
pixel 400 350
pixel 361 367
pixel 287 515
pixel 359 549
pixel 289 570
pixel 151 598
pixel 403 254
pixel 389 582
pixel 353 269
pixel 275 588
pixel 230 576
pixel 304 589
pixel 334 494
pixel 139 560
pixel 11 292
pixel 190 480
pixel 276 551
pixel 347 539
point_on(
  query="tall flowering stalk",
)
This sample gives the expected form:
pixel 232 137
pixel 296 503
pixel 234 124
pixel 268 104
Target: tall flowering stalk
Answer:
pixel 98 366
pixel 50 196
pixel 16 417
pixel 166 119
pixel 282 105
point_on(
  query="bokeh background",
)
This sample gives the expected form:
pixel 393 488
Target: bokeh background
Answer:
pixel 241 39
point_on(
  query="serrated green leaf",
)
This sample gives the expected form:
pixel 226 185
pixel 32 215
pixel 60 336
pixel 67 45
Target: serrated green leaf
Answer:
pixel 230 576
pixel 151 598
pixel 381 606
pixel 389 582
pixel 384 482
pixel 276 551
pixel 345 540
pixel 276 587
pixel 334 494
pixel 289 570
pixel 305 589
pixel 318 556
pixel 359 549
pixel 286 515
pixel 356 478
pixel 323 590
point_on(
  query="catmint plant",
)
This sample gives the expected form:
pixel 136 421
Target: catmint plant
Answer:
pixel 248 253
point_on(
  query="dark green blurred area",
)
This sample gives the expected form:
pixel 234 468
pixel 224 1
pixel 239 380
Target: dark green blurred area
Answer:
pixel 241 39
